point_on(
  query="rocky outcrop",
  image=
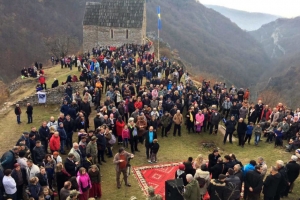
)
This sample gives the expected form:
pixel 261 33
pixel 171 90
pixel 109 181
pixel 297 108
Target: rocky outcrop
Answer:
pixel 20 82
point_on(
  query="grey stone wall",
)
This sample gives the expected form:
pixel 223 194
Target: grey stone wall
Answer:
pixel 103 36
pixel 21 82
pixel 54 95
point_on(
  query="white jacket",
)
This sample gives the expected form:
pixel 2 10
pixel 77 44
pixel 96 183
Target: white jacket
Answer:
pixel 32 172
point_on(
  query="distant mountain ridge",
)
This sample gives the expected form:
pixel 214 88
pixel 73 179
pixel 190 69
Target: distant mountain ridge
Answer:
pixel 208 40
pixel 248 21
pixel 281 41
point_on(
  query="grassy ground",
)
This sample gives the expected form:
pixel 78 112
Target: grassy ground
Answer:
pixel 173 149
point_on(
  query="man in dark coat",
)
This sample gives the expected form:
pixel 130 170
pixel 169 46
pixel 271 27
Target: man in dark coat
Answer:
pixel 213 158
pixel 214 121
pixel 271 184
pixel 9 158
pixel 70 165
pixel 44 132
pixel 101 145
pixel 86 108
pixel 24 137
pixel 293 169
pixel 149 137
pixel 230 128
pixel 217 188
pixel 69 126
pixel 188 166
pixel 219 168
pixel 283 181
pixel 38 153
pixel 233 183
pixel 18 113
pixel 29 112
pixel 253 183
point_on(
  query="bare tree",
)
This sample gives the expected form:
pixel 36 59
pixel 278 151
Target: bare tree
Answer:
pixel 61 46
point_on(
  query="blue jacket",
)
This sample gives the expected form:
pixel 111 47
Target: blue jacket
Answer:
pixel 92 66
pixel 148 75
pixel 8 160
pixel 62 133
pixel 64 109
pixel 247 168
pixel 34 190
pixel 278 133
pixel 249 130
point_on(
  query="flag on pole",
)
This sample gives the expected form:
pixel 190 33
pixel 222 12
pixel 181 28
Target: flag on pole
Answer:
pixel 159 19
pixel 41 97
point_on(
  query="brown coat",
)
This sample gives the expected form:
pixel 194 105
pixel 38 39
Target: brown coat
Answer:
pixel 141 125
pixel 117 159
pixel 178 118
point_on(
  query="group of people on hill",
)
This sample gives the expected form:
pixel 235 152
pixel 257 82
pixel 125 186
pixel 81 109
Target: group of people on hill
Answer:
pixel 33 71
pixel 142 97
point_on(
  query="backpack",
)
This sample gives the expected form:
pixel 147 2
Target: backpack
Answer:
pixel 201 182
pixel 112 140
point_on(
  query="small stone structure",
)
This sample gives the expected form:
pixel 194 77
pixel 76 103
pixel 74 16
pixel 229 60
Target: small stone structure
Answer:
pixel 20 83
pixel 114 23
pixel 54 95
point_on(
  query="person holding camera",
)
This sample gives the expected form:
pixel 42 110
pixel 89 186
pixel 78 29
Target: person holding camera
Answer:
pixel 121 160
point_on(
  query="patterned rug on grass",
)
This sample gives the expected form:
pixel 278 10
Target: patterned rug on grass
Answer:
pixel 155 176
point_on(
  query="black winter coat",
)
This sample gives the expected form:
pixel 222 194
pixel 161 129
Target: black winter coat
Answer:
pixel 230 126
pixel 86 108
pixel 38 154
pixel 271 185
pixel 212 160
pixel 234 185
pixel 255 180
pixel 283 180
pixel 44 133
pixel 293 169
pixel 241 128
pixel 219 168
pixel 70 167
pixel 147 144
pixel 217 190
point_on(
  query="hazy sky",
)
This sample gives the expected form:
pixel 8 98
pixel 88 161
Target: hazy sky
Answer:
pixel 284 8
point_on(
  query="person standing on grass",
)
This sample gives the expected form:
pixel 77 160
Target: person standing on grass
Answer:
pixel 121 162
pixel 241 130
pixel 149 138
pixel 95 191
pixel 29 113
pixel 230 128
pixel 257 133
pixel 177 119
pixel 154 150
pixel 125 136
pixel 249 133
pixel 92 149
pixel 293 169
pixel 84 183
pixel 271 184
pixel 253 183
pixel 215 119
pixel 284 182
pixel 18 113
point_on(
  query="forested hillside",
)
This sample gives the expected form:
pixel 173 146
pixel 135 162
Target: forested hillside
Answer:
pixel 208 40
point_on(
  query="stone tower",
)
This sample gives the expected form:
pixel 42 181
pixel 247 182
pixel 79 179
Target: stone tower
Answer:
pixel 114 23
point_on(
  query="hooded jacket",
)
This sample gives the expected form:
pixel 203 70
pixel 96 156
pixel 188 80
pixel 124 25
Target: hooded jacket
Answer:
pixel 203 174
pixel 192 191
pixel 217 190
pixel 54 143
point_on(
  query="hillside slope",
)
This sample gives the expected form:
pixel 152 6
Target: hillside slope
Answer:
pixel 281 41
pixel 208 40
pixel 25 24
pixel 245 20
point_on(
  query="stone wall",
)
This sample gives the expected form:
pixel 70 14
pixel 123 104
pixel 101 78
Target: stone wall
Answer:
pixel 54 95
pixel 21 82
pixel 103 36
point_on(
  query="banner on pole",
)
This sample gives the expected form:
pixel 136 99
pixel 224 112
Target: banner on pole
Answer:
pixel 159 18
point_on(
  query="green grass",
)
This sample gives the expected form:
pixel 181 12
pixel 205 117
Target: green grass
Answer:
pixel 172 149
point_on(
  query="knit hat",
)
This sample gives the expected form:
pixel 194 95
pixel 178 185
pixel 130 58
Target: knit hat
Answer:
pixel 55 153
pixel 181 167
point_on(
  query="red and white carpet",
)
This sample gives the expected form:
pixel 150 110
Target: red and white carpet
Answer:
pixel 155 175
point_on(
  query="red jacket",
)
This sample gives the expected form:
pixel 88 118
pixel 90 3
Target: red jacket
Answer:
pixel 54 143
pixel 119 127
pixel 269 112
pixel 42 79
pixel 138 104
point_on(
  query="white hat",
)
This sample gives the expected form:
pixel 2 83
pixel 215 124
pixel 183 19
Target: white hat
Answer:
pixel 294 158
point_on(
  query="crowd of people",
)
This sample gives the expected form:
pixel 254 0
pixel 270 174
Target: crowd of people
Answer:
pixel 135 97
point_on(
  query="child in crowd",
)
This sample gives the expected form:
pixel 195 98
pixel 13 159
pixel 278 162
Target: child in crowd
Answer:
pixel 125 136
pixel 249 132
pixel 278 137
pixel 257 133
pixel 154 150
pixel 34 188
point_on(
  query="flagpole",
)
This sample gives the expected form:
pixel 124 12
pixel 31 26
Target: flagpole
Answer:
pixel 158 46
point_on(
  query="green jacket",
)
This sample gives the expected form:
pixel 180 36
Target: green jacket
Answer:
pixel 192 191
pixel 165 120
